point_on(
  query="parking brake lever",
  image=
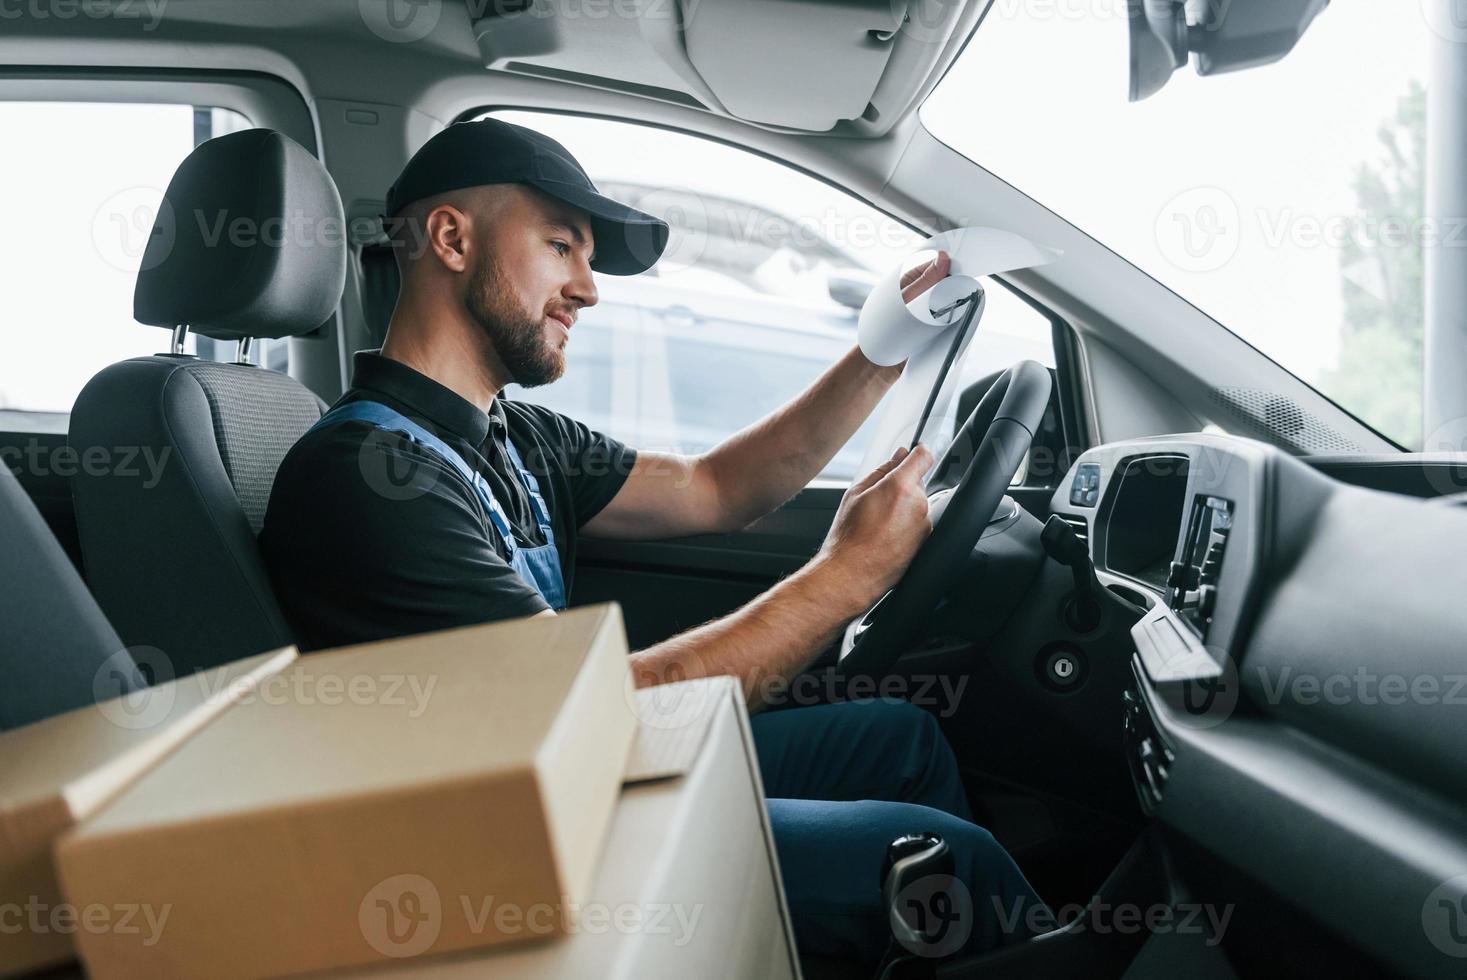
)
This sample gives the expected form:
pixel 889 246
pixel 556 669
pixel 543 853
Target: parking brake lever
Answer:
pixel 1082 610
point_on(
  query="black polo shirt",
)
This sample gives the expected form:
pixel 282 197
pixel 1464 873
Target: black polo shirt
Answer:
pixel 369 535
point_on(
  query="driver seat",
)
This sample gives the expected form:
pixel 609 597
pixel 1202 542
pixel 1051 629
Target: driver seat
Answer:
pixel 249 242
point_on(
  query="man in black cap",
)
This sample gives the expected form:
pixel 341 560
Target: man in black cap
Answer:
pixel 424 500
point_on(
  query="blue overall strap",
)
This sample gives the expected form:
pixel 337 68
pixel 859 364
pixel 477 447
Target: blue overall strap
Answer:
pixel 532 485
pixel 539 567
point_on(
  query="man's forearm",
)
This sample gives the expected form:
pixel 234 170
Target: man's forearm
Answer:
pixel 759 468
pixel 765 643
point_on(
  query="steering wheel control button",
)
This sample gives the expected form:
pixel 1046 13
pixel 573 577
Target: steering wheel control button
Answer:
pixel 1062 668
pixel 1085 491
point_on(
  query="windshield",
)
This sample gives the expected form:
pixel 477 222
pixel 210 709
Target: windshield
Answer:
pixel 1286 202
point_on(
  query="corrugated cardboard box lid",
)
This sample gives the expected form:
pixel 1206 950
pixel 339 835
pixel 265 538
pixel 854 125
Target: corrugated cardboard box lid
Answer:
pixel 79 759
pixel 351 754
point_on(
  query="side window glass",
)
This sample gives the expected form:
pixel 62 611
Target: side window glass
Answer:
pixel 89 179
pixel 758 293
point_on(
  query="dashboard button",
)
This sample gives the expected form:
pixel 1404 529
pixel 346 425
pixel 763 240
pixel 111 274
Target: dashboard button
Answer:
pixel 1085 489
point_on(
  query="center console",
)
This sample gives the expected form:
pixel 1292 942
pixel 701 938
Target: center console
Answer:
pixel 1175 521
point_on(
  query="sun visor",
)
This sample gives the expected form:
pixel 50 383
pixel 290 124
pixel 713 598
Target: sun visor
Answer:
pixel 844 65
pixel 812 65
pixel 802 65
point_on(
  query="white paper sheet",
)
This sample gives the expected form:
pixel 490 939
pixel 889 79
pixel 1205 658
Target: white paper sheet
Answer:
pixel 891 331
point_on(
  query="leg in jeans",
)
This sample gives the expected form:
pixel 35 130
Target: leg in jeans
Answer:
pixel 831 855
pixel 859 750
pixel 843 782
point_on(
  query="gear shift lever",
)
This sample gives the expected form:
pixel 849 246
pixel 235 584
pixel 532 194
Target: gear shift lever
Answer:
pixel 917 924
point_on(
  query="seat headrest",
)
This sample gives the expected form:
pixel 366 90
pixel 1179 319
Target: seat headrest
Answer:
pixel 250 241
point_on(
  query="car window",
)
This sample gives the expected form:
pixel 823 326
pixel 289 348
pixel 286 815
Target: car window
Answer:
pixel 85 182
pixel 1286 202
pixel 759 290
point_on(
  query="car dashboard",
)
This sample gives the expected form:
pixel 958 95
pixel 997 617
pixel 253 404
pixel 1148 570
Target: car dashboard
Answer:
pixel 1175 526
pixel 1299 692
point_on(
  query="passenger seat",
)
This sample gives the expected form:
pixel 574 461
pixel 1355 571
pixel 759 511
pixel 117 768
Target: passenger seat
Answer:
pixel 249 243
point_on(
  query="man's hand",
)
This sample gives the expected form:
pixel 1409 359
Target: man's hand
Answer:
pixel 918 280
pixel 882 521
pixel 915 282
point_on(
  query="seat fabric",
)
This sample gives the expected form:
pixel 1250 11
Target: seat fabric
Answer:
pixel 169 547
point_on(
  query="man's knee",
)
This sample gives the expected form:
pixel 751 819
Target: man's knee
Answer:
pixel 899 720
pixel 907 745
pixel 913 733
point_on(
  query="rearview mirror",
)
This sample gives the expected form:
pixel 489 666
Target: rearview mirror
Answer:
pixel 1225 35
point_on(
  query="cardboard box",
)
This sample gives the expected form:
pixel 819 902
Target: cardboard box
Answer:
pixel 325 822
pixel 689 885
pixel 57 772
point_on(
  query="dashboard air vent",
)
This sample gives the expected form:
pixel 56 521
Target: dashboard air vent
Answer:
pixel 1081 526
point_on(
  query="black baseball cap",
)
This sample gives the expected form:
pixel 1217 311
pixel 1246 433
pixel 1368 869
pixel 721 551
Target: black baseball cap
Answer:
pixel 491 151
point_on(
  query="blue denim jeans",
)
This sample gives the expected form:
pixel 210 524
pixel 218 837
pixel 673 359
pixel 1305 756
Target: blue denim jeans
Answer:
pixel 845 780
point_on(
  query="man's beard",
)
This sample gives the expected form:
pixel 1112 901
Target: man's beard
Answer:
pixel 517 338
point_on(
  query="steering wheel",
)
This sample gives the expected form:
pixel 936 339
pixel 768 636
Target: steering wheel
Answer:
pixel 996 440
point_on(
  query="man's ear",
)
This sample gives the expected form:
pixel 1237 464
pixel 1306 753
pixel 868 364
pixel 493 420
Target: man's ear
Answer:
pixel 449 232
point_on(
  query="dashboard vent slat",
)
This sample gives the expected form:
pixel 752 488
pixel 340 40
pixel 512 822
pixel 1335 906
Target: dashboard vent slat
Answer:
pixel 1081 526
